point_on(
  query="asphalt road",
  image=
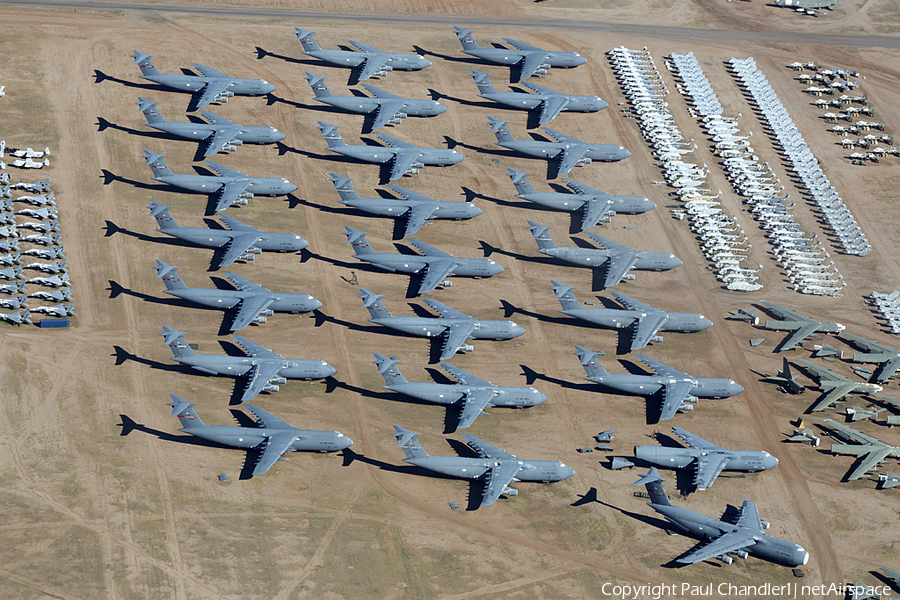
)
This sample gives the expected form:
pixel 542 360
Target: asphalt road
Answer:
pixel 707 35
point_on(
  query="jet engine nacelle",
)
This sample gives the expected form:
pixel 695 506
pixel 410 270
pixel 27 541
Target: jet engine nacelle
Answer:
pixel 270 388
pixel 246 256
pixel 268 313
pixel 628 277
pixel 401 115
pixel 229 148
pixel 467 348
pixel 583 161
pixel 686 407
pixel 239 202
pixel 741 554
pixel 245 195
pixel 446 283
pixel 725 559
pixel 508 491
pixel 236 143
pixel 278 381
pixel 417 165
pixel 657 339
pixel 260 320
pixel 765 524
pixel 254 250
pixel 394 121
pixel 411 171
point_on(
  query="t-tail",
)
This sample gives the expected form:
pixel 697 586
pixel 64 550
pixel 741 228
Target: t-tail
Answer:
pixel 654 487
pixel 169 275
pixel 175 340
pixel 408 440
pixel 564 294
pixel 501 130
pixel 520 180
pixel 373 304
pixel 306 40
pixel 157 164
pixel 357 239
pixel 149 108
pixel 331 135
pixel 465 38
pixel 541 234
pixel 388 369
pixel 483 81
pixel 343 187
pixel 318 85
pixel 589 362
pixel 160 212
pixel 184 410
pixel 143 61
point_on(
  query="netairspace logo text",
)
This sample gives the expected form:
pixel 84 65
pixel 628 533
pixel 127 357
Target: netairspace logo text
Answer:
pixel 729 590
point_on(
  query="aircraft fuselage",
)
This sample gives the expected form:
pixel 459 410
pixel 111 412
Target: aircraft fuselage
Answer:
pixel 193 83
pixel 648 385
pixel 227 299
pixel 440 393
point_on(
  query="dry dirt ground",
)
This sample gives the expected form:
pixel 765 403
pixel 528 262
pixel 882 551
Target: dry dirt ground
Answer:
pixel 103 498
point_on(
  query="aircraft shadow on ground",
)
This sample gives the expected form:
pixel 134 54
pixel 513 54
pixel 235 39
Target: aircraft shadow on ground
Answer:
pixel 101 77
pixel 122 356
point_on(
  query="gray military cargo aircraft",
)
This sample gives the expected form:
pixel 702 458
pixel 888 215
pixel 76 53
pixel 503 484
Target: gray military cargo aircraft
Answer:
pixel 525 61
pixel 707 459
pixel 870 451
pixel 562 155
pixel 593 205
pixel 382 109
pixel 249 303
pixel 368 62
pixel 887 358
pixel 547 104
pixel 239 241
pixel 471 396
pixel 271 436
pixel 496 469
pixel 615 258
pixel 217 135
pixel 433 265
pixel 405 159
pixel 799 325
pixel 414 208
pixel 211 86
pixel 746 535
pixel 834 385
pixel 228 187
pixel 456 327
pixel 676 390
pixel 261 370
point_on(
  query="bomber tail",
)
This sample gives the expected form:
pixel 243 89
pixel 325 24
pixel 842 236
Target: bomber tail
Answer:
pixel 465 38
pixel 306 40
pixel 501 130
pixel 592 366
pixel 520 181
pixel 318 85
pixel 144 63
pixel 786 370
pixel 483 81
pixel 541 234
pixel 169 275
pixel 331 135
pixel 150 111
pixel 564 294
pixel 408 440
pixel 343 187
pixel 387 367
pixel 157 164
pixel 160 212
pixel 184 410
pixel 175 340
pixel 373 304
pixel 357 239
pixel 654 487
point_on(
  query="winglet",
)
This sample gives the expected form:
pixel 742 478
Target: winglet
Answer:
pixel 404 436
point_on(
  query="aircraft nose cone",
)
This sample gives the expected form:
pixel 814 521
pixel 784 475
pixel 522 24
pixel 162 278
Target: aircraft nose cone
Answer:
pixel 328 370
pixel 540 398
pixel 771 462
pixel 457 157
pixel 517 330
pixel 316 304
pixel 299 244
pixel 474 211
pixel 649 204
pixel 344 443
pixel 736 389
pixel 441 109
pixel 268 88
pixel 676 262
pixel 580 60
pixel 624 153
pixel 706 324
pixel 424 62
pixel 277 137
pixel 567 472
pixel 601 104
pixel 290 187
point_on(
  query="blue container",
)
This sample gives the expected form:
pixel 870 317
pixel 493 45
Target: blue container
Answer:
pixel 54 322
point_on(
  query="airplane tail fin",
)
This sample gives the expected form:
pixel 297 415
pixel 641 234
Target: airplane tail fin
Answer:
pixel 306 40
pixel 387 367
pixel 465 38
pixel 184 410
pixel 357 239
pixel 501 130
pixel 520 181
pixel 564 294
pixel 318 85
pixel 160 212
pixel 483 81
pixel 654 487
pixel 786 370
pixel 156 163
pixel 541 235
pixel 373 304
pixel 407 440
pixel 588 358
pixel 331 135
pixel 169 275
pixel 343 187
pixel 151 113
pixel 144 63
pixel 175 340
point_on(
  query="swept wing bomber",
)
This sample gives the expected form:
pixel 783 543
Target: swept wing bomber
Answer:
pixel 887 358
pixel 799 325
pixel 869 451
pixel 786 379
pixel 834 385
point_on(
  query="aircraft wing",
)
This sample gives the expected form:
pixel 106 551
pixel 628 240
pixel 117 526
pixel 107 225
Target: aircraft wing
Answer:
pixel 258 376
pixel 784 313
pixel 607 243
pixel 411 195
pixel 540 90
pixel 394 142
pixel 594 209
pixel 562 138
pixel 617 266
pixel 211 90
pixel 254 349
pixel 245 285
pixel 531 61
pixel 727 542
pixel 366 47
pixel 868 462
pixel 437 271
pixel 485 450
pixel 465 378
pixel 215 119
pixel 237 245
pixel 694 441
pixel 497 479
pixel 224 171
pixel 821 373
pixel 522 45
pixel 273 448
pixel 853 434
pixel 403 160
pixel 445 311
pixel 708 468
pixel 551 107
pixel 673 395
pixel 749 516
pixel 798 335
pixel 207 72
pixel 250 308
pixel 887 369
pixel 569 157
pixel 427 250
pixel 266 419
pixel 832 395
pixel 380 93
pixel 645 327
pixel 235 225
pixel 661 369
pixel 386 111
pixel 473 406
pixel 372 64
pixel 221 136
pixel 417 215
pixel 228 193
pixel 583 190
pixel 457 334
pixel 632 304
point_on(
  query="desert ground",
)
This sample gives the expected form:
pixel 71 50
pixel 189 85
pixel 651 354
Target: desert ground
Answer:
pixel 102 497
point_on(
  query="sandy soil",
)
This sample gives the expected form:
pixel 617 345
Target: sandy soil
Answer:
pixel 103 498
